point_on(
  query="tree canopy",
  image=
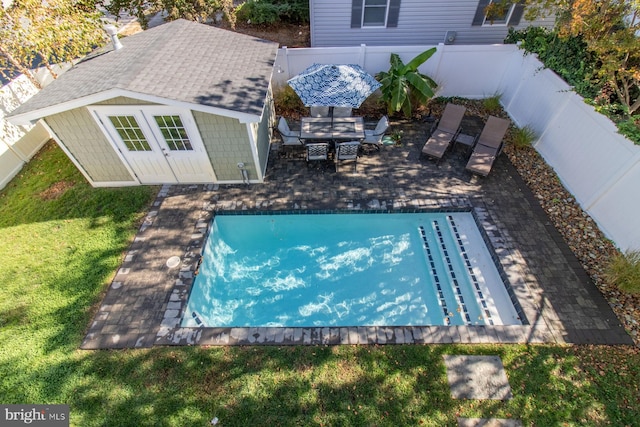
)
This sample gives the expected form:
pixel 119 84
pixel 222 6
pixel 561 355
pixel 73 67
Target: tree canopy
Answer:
pixel 193 10
pixel 610 30
pixel 36 32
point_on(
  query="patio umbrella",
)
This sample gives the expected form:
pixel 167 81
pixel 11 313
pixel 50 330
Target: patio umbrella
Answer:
pixel 334 85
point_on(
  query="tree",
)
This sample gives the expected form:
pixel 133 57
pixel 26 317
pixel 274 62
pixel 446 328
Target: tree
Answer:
pixel 609 28
pixel 36 32
pixel 403 86
pixel 193 10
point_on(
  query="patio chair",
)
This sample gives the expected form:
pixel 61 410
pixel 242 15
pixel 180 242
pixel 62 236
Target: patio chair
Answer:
pixel 488 147
pixel 347 151
pixel 317 151
pixel 289 137
pixel 319 111
pixel 342 111
pixel 374 136
pixel 444 132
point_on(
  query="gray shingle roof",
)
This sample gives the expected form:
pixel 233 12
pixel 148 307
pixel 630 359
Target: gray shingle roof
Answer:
pixel 181 60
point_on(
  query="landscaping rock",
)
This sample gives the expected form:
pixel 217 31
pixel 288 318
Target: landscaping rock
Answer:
pixel 588 243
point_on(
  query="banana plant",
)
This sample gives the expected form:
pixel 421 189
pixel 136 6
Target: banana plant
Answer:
pixel 403 86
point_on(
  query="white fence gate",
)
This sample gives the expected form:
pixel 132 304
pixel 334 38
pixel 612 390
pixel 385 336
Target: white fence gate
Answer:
pixel 597 165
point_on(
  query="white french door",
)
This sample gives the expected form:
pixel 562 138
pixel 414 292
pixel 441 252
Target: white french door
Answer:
pixel 160 144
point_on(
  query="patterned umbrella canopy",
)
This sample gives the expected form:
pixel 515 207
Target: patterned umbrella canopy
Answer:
pixel 333 85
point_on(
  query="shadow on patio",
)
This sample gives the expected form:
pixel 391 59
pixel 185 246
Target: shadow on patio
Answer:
pixel 559 300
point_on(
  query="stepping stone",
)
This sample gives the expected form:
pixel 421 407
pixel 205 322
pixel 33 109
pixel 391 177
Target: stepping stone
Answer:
pixel 477 377
pixel 488 422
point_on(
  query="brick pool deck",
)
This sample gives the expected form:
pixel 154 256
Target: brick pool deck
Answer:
pixel 143 306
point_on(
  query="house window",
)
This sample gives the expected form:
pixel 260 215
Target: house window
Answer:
pixel 374 13
pixel 174 133
pixel 498 12
pixel 130 133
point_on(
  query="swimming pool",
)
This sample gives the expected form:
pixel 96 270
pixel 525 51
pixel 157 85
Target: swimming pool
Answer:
pixel 347 269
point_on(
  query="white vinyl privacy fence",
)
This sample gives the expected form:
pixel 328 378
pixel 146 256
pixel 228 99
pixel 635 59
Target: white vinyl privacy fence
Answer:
pixel 597 165
pixel 17 143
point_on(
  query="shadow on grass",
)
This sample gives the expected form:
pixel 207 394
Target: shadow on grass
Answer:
pixel 350 385
pixel 344 385
pixel 50 188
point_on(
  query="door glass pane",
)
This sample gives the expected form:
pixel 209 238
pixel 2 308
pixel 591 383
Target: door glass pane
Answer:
pixel 173 132
pixel 130 133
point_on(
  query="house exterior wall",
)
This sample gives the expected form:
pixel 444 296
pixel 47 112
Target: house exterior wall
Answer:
pixel 80 134
pixel 420 22
pixel 227 144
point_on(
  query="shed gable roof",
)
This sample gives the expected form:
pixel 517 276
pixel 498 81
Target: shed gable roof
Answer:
pixel 180 61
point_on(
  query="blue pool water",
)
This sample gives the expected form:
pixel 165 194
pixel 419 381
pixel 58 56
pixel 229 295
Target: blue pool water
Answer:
pixel 304 270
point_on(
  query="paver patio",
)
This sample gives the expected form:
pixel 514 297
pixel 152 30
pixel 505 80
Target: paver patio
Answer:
pixel 143 305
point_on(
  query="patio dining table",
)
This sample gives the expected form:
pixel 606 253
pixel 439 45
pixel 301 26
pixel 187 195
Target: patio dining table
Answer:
pixel 328 128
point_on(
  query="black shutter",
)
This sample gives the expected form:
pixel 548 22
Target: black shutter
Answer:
pixel 516 15
pixel 394 11
pixel 356 13
pixel 479 18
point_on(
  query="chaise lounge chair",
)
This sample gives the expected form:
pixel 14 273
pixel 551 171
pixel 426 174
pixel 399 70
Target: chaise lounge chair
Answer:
pixel 444 131
pixel 488 147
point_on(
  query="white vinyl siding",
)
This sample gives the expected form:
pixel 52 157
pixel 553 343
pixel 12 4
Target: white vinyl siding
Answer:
pixel 420 22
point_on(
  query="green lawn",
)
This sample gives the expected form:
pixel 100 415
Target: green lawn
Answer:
pixel 60 244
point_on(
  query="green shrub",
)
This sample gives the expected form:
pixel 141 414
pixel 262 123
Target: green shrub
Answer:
pixel 624 271
pixel 630 128
pixel 566 56
pixel 258 12
pixel 269 12
pixel 297 12
pixel 492 104
pixel 287 102
pixel 523 137
pixel 570 58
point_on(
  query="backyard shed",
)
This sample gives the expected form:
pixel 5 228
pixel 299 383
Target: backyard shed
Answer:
pixel 179 103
